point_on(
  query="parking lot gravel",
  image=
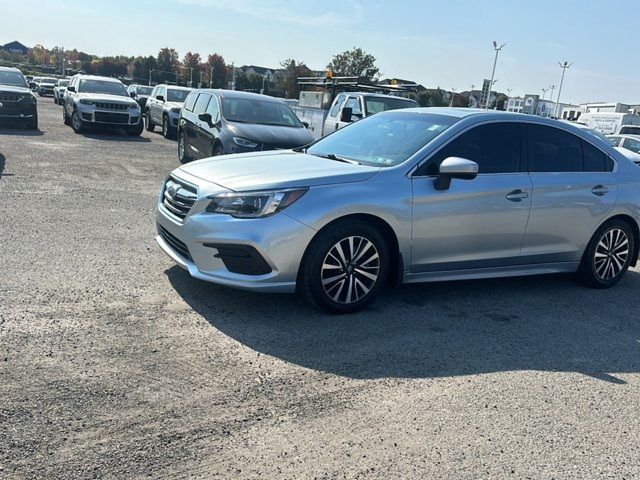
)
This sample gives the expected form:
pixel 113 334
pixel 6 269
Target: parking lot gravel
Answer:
pixel 114 363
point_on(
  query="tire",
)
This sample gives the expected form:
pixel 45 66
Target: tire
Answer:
pixel 65 118
pixel 167 129
pixel 148 123
pixel 333 281
pixel 76 122
pixel 137 130
pixel 182 149
pixel 32 123
pixel 608 255
pixel 217 150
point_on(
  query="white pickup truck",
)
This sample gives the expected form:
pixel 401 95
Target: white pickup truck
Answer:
pixel 612 123
pixel 321 116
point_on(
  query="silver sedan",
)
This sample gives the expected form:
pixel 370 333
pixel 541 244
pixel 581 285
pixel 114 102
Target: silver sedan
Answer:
pixel 417 195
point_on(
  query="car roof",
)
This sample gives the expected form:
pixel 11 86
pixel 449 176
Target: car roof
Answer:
pixel 10 69
pixel 96 77
pixel 173 87
pixel 238 94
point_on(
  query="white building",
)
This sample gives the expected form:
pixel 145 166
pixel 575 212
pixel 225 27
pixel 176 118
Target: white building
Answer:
pixel 515 104
pixel 534 105
pixel 601 107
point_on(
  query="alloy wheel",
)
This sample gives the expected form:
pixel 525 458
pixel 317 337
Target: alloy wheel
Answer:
pixel 75 119
pixel 350 270
pixel 611 254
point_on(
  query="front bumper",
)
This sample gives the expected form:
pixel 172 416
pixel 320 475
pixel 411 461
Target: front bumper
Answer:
pixel 17 110
pixel 279 240
pixel 109 118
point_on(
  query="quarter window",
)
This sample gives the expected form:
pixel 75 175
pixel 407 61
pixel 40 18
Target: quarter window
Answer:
pixel 595 160
pixel 554 150
pixel 201 103
pixel 495 147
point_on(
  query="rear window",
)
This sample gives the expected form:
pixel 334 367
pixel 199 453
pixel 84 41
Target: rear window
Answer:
pixel 379 104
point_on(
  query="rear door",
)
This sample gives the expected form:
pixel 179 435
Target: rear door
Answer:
pixel 573 191
pixel 333 117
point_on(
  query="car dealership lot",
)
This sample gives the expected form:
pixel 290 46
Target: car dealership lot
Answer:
pixel 115 363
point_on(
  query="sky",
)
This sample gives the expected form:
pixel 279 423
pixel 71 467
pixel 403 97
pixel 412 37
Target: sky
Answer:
pixel 445 43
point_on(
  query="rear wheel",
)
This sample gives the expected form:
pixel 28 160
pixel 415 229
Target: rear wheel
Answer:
pixel 345 267
pixel 148 123
pixel 608 255
pixel 167 130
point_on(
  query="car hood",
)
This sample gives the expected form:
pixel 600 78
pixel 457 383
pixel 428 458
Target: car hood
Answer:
pixel 275 136
pixel 14 89
pixel 103 97
pixel 275 169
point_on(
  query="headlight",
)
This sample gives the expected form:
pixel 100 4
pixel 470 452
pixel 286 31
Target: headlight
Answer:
pixel 243 142
pixel 87 102
pixel 254 204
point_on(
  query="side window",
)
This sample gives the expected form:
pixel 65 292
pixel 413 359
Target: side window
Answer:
pixel 595 160
pixel 354 104
pixel 554 150
pixel 213 109
pixel 615 141
pixel 154 92
pixel 201 104
pixel 632 144
pixel 190 102
pixel 495 147
pixel 163 91
pixel 336 106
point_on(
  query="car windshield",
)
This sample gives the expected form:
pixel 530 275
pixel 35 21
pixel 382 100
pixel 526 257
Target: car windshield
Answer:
pixel 49 80
pixel 176 95
pixel 102 86
pixel 63 83
pixel 261 112
pixel 15 79
pixel 383 140
pixel 627 130
pixel 144 90
pixel 381 104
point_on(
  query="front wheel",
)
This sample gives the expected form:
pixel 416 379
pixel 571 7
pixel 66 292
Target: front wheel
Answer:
pixel 182 149
pixel 148 123
pixel 345 267
pixel 135 131
pixel 32 123
pixel 76 122
pixel 608 255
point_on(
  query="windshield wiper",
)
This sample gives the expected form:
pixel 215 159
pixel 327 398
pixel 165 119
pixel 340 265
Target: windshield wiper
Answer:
pixel 333 156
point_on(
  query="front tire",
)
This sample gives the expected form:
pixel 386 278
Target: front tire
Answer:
pixel 76 122
pixel 182 149
pixel 344 268
pixel 65 118
pixel 137 130
pixel 148 123
pixel 32 123
pixel 217 150
pixel 608 255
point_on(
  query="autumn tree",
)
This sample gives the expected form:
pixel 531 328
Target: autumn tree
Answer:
pixel 354 63
pixel 192 64
pixel 288 77
pixel 216 71
pixel 167 62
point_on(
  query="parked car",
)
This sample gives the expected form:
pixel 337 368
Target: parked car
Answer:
pixel 59 90
pixel 17 103
pixel 100 102
pixel 46 86
pixel 163 108
pixel 140 93
pixel 218 122
pixel 33 83
pixel 415 195
pixel 630 142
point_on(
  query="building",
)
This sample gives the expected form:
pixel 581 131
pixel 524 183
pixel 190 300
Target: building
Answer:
pixel 515 104
pixel 264 72
pixel 534 105
pixel 15 47
pixel 601 107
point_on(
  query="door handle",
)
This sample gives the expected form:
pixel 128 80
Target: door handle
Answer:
pixel 517 195
pixel 600 190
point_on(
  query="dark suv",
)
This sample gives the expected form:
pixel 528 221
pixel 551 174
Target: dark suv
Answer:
pixel 218 122
pixel 17 103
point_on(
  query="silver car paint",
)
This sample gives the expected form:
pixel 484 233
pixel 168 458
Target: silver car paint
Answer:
pixel 468 231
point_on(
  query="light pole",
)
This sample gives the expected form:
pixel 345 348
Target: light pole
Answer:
pixel 191 77
pixel 453 95
pixel 552 88
pixel 211 77
pixel 564 67
pixel 495 62
pixel 471 95
pixel 544 91
pixel 201 75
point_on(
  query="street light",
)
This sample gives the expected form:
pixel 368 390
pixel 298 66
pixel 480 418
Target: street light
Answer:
pixel 564 67
pixel 544 91
pixel 453 95
pixel 495 62
pixel 211 76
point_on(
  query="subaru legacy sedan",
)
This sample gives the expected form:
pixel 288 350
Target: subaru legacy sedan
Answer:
pixel 415 195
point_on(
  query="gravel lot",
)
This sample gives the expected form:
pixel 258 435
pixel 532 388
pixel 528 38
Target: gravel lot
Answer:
pixel 116 364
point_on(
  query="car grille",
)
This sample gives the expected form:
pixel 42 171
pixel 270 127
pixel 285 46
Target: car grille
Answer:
pixel 178 197
pixel 9 97
pixel 112 106
pixel 174 242
pixel 109 117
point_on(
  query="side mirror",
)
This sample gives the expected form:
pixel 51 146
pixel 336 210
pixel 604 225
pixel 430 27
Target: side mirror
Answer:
pixel 346 115
pixel 160 97
pixel 206 117
pixel 132 94
pixel 71 89
pixel 455 167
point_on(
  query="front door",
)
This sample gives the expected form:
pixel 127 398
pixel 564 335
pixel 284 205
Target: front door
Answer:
pixel 476 223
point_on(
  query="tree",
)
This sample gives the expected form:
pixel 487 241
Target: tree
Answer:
pixel 354 63
pixel 288 77
pixel 167 62
pixel 215 65
pixel 192 65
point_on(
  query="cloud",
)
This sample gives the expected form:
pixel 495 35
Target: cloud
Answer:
pixel 290 12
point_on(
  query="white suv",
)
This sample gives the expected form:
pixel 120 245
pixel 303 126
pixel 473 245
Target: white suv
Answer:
pixel 100 102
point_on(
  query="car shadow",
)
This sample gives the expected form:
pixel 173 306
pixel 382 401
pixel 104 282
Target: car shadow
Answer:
pixel 113 135
pixel 20 131
pixel 2 162
pixel 545 323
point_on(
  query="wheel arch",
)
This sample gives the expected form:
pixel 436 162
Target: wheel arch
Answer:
pixel 396 264
pixel 628 219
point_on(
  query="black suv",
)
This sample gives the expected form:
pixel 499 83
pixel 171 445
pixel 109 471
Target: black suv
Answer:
pixel 17 103
pixel 218 122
